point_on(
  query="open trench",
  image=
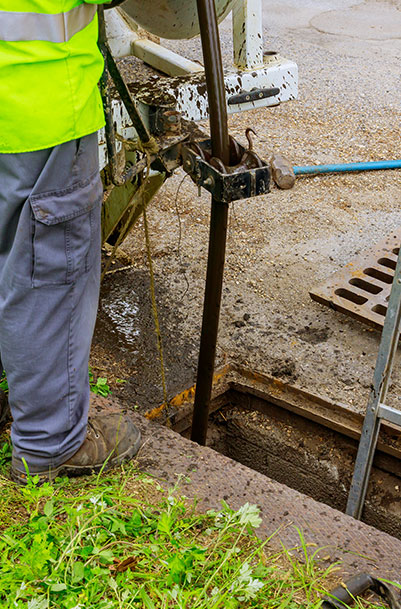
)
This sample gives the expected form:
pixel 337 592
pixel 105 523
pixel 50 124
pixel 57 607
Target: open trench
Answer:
pixel 267 423
pixel 306 455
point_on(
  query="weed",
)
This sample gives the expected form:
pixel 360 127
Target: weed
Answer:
pixel 118 541
pixel 5 454
pixel 99 386
pixel 3 382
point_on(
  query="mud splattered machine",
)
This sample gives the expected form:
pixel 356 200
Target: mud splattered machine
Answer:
pixel 151 126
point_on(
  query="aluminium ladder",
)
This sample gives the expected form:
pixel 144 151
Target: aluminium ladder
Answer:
pixel 377 411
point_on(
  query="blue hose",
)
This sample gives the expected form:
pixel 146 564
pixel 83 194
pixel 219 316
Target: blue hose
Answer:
pixel 346 167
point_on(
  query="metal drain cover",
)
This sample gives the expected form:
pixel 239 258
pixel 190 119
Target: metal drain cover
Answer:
pixel 362 288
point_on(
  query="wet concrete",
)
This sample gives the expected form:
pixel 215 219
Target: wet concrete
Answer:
pixel 125 330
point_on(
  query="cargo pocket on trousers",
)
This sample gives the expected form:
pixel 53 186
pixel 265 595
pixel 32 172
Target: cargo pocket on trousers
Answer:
pixel 65 229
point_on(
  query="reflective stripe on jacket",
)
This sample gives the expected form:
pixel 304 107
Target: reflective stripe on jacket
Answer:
pixel 49 69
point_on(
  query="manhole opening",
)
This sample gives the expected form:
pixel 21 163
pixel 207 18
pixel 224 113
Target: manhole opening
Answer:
pixel 305 455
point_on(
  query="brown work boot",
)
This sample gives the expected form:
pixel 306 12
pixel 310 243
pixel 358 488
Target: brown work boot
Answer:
pixel 110 440
pixel 5 414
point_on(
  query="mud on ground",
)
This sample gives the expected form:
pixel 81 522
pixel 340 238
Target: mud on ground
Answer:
pixel 279 245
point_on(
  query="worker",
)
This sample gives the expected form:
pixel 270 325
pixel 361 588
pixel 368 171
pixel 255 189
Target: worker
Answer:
pixel 50 204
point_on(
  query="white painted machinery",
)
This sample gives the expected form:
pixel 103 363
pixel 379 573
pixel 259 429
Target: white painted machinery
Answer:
pixel 174 19
pixel 255 79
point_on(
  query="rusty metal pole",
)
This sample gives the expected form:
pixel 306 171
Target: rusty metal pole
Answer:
pixel 218 219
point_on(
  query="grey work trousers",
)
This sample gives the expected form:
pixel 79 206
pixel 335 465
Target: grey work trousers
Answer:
pixel 50 204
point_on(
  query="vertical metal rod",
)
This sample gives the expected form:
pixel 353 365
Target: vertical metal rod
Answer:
pixel 218 219
pixel 214 79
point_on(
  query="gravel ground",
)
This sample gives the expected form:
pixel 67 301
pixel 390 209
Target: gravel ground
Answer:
pixel 283 244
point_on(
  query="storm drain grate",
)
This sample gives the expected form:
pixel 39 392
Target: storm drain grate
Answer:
pixel 362 288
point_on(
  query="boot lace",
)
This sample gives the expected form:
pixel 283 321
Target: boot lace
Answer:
pixel 92 429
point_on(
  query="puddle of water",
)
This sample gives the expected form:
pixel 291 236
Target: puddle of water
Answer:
pixel 124 323
pixel 125 331
pixel 123 315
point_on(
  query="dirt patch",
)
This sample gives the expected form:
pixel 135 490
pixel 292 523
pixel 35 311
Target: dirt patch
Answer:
pixel 314 335
pixel 125 344
pixel 284 369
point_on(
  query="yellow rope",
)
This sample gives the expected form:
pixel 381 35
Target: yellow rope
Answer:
pixel 125 229
pixel 156 316
pixel 147 148
pixel 150 147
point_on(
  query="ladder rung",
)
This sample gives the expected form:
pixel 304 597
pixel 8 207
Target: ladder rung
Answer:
pixel 389 414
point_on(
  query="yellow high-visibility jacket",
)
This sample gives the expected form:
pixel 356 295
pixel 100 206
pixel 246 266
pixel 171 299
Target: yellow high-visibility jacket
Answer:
pixel 49 69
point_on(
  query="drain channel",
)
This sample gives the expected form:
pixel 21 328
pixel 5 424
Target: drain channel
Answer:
pixel 362 288
pixel 305 456
pixel 298 439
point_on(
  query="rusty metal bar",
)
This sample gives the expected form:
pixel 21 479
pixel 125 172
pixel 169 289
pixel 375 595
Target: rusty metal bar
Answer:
pixel 218 219
pixel 126 98
pixel 106 101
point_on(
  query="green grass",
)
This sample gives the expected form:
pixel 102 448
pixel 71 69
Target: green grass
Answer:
pixel 119 541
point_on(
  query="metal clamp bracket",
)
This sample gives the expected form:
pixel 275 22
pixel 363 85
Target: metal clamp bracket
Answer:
pixel 249 177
